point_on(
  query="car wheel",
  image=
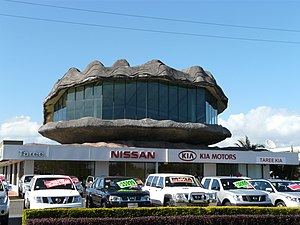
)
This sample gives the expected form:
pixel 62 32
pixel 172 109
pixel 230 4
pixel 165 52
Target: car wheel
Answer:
pixel 4 219
pixel 167 202
pixel 227 203
pixel 280 204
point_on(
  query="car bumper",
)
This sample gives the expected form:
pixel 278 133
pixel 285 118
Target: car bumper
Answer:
pixel 212 202
pixel 252 204
pixel 48 206
pixel 4 209
pixel 129 204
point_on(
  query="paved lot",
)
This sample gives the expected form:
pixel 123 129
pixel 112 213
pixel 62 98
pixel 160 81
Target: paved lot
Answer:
pixel 16 208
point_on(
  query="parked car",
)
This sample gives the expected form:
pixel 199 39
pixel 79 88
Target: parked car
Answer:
pixel 4 203
pixel 89 181
pixel 52 191
pixel 3 180
pixel 110 191
pixel 281 192
pixel 78 185
pixel 24 184
pixel 236 191
pixel 170 189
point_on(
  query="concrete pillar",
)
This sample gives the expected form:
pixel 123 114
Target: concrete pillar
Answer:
pixel 28 167
pixel 243 169
pixel 101 168
pixel 13 175
pixel 266 171
pixel 209 169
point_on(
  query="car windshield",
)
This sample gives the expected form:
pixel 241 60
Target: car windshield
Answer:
pixel 286 186
pixel 120 184
pixel 236 183
pixel 46 183
pixel 181 181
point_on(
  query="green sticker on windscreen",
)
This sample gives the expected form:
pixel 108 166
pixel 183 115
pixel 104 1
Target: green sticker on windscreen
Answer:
pixel 241 183
pixel 127 183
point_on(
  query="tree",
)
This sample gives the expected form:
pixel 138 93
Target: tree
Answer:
pixel 247 145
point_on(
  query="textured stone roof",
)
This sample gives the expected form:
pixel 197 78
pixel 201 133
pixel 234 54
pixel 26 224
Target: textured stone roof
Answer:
pixel 194 75
pixel 93 130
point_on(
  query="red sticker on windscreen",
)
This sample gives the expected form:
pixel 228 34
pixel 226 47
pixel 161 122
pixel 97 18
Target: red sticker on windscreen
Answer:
pixel 75 180
pixel 57 182
pixel 294 186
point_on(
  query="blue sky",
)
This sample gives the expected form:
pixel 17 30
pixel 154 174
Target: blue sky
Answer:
pixel 252 48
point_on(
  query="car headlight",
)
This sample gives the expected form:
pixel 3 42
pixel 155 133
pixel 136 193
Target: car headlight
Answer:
pixel 238 197
pixel 77 199
pixel 38 199
pixel 3 199
pixel 293 199
pixel 114 198
pixel 146 198
pixel 211 196
pixel 180 197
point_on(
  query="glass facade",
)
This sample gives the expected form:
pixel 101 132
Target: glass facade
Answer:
pixel 80 169
pixel 137 99
pixel 131 169
pixel 195 169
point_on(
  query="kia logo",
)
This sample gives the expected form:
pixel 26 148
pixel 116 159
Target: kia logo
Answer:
pixel 187 155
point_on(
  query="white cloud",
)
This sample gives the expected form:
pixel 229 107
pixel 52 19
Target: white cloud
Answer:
pixel 260 124
pixel 264 123
pixel 23 129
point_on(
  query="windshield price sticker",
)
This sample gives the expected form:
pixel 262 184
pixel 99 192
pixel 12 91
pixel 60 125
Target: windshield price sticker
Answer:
pixel 294 187
pixel 126 183
pixel 181 180
pixel 57 182
pixel 241 184
pixel 75 180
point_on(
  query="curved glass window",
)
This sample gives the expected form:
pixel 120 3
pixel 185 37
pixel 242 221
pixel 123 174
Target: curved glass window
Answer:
pixel 137 99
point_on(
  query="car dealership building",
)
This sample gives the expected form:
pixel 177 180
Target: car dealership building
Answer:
pixel 133 121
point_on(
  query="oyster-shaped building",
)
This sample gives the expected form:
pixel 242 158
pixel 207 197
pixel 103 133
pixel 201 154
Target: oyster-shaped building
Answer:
pixel 148 103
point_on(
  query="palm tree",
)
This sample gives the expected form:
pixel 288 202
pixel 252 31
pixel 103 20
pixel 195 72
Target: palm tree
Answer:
pixel 247 145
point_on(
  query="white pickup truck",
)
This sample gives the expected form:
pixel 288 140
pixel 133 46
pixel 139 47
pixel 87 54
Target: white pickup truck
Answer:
pixel 169 189
pixel 52 191
pixel 236 191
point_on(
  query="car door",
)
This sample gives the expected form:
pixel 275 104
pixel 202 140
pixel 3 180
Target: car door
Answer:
pixel 152 190
pixel 96 191
pixel 216 187
pixel 158 192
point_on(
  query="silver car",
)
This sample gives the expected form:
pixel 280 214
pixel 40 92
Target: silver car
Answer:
pixel 4 203
pixel 236 191
pixel 281 192
pixel 24 184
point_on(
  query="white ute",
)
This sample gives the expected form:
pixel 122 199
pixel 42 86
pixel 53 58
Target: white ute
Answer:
pixel 52 191
pixel 170 189
pixel 236 191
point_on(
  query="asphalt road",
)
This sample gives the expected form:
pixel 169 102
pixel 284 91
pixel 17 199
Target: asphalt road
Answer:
pixel 15 212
